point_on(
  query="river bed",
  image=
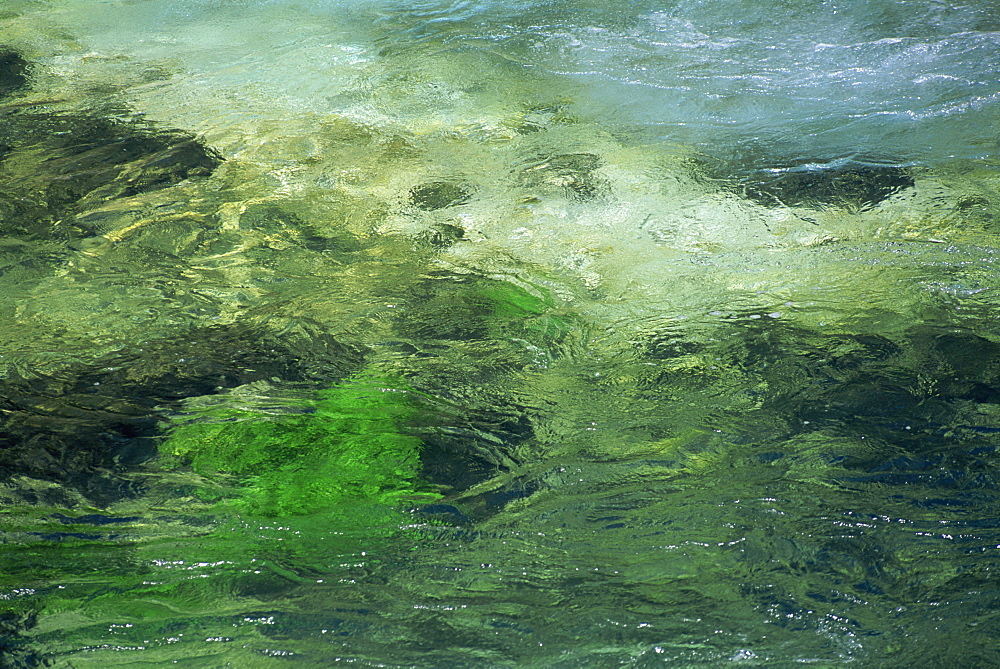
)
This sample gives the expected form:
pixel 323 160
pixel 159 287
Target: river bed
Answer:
pixel 521 334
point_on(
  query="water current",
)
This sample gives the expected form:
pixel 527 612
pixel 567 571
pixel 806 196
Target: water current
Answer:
pixel 499 334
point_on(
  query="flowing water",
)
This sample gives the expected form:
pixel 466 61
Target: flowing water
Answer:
pixel 499 334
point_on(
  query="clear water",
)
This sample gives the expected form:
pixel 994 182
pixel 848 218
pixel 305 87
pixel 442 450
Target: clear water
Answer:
pixel 662 421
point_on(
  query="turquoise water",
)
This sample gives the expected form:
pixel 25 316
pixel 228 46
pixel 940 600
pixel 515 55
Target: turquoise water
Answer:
pixel 480 334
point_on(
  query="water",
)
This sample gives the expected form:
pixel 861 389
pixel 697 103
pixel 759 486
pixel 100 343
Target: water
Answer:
pixel 529 334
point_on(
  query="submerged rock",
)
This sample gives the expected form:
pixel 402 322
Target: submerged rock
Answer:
pixel 439 195
pixel 571 172
pixel 15 651
pixel 847 184
pixel 13 72
pixel 55 165
pixel 442 235
pixel 928 392
pixel 87 427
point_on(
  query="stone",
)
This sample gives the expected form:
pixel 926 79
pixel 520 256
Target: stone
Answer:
pixel 851 185
pixel 13 72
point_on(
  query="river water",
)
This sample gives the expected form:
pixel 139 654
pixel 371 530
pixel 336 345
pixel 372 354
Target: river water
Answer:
pixel 499 334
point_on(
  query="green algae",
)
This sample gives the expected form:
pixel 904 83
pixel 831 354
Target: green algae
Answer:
pixel 536 312
pixel 511 301
pixel 348 453
pixel 345 452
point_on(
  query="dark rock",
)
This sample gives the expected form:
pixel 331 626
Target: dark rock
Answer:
pixel 462 450
pixel 484 504
pixel 439 195
pixel 67 163
pixel 445 514
pixel 447 310
pixel 13 72
pixel 54 166
pixel 924 396
pixel 442 235
pixel 269 219
pixel 93 423
pixel 272 219
pixel 15 650
pixel 849 184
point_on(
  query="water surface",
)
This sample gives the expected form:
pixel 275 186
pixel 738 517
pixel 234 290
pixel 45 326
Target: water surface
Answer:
pixel 499 334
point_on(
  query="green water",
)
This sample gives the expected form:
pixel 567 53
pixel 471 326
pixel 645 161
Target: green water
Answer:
pixel 382 336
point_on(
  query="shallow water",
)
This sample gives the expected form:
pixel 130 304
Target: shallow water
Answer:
pixel 499 334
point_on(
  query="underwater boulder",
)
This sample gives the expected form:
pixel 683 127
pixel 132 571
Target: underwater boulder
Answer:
pixel 269 218
pixel 15 651
pixel 441 235
pixel 452 322
pixel 852 185
pixel 90 424
pixel 13 72
pixel 436 195
pixel 54 165
pixel 57 165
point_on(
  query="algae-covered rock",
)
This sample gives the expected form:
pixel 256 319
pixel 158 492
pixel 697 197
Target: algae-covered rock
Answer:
pixel 346 453
pixel 87 427
pixel 14 650
pixel 474 308
pixel 55 165
pixel 439 195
